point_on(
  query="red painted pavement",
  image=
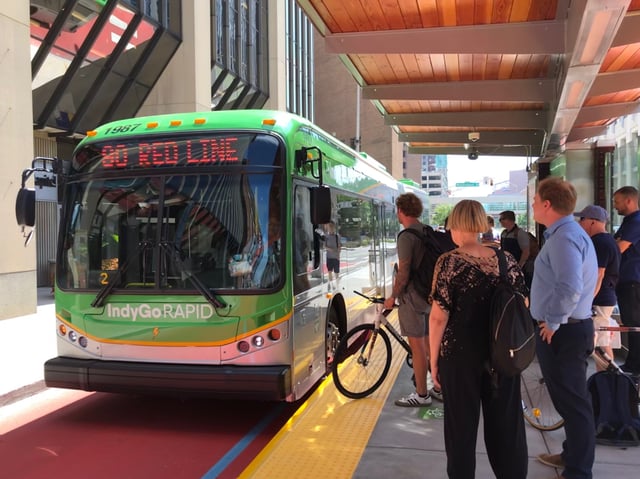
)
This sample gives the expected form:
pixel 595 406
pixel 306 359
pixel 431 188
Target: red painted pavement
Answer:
pixel 73 434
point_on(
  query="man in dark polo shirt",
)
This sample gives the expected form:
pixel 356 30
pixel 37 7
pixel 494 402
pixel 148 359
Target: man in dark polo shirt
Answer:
pixel 625 201
pixel 593 220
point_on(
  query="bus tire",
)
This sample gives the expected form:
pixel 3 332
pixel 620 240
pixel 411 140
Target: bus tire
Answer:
pixel 332 337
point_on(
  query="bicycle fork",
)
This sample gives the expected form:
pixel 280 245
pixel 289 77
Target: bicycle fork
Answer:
pixel 367 348
pixel 369 342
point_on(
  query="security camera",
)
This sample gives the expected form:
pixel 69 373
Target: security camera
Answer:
pixel 474 136
pixel 473 154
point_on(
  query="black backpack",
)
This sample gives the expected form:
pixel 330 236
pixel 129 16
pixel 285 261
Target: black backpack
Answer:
pixel 614 396
pixel 534 247
pixel 512 342
pixel 434 243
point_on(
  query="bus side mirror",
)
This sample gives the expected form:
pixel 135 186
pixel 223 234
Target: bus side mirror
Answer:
pixel 26 207
pixel 320 205
pixel 300 158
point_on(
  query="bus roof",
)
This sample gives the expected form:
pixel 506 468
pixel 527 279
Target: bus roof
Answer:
pixel 409 182
pixel 286 124
pixel 269 120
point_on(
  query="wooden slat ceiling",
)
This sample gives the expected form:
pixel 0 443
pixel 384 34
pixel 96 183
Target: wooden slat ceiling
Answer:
pixel 529 76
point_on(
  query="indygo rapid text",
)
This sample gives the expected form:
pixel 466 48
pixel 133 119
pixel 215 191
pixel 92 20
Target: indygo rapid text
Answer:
pixel 160 311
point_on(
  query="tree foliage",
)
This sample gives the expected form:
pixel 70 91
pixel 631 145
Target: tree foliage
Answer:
pixel 521 220
pixel 440 212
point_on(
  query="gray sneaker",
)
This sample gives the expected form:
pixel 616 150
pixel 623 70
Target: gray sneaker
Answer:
pixel 414 400
pixel 435 394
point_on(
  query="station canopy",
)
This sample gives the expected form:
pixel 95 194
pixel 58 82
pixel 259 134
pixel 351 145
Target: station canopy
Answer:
pixel 506 77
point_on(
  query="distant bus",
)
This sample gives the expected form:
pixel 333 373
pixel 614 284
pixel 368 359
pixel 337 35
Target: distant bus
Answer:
pixel 190 254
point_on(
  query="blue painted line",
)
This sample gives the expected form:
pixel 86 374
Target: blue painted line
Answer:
pixel 242 444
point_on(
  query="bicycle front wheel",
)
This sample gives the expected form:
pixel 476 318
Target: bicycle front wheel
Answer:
pixel 537 406
pixel 362 361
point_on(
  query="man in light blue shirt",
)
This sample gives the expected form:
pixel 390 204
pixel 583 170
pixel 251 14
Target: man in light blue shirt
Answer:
pixel 564 282
pixel 571 267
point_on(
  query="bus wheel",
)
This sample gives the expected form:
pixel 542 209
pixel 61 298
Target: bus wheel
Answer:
pixel 333 337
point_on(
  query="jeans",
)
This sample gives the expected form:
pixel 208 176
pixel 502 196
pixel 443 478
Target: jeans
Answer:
pixel 629 304
pixel 564 367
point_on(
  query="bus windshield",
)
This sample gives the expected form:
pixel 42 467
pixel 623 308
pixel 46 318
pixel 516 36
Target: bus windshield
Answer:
pixel 178 229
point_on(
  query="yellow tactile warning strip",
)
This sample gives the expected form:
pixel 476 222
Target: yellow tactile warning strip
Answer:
pixel 328 433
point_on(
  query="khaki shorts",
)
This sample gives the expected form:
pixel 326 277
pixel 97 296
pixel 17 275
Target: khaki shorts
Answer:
pixel 413 317
pixel 602 317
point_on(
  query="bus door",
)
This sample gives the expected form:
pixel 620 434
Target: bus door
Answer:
pixel 377 249
pixel 307 264
pixel 389 229
pixel 309 303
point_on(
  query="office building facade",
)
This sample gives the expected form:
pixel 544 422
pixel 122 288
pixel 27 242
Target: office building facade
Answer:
pixel 70 65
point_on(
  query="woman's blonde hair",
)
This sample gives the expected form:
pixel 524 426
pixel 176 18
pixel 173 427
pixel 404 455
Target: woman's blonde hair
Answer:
pixel 468 216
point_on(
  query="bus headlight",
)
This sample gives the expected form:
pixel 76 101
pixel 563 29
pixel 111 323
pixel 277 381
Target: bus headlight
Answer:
pixel 73 336
pixel 258 341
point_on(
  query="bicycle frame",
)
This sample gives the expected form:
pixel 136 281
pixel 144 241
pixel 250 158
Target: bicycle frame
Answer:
pixel 601 356
pixel 622 329
pixel 363 356
pixel 381 320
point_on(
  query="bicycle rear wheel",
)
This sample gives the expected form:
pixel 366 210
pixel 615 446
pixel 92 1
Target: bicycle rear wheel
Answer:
pixel 537 406
pixel 362 361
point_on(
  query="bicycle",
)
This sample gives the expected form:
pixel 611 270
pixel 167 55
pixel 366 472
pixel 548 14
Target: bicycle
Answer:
pixel 362 361
pixel 537 406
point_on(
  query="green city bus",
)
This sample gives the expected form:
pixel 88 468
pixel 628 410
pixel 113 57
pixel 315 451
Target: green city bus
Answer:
pixel 190 255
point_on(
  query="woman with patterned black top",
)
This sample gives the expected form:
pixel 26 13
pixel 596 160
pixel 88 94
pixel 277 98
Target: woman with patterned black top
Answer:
pixel 459 324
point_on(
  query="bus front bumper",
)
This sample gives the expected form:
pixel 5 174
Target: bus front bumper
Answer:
pixel 242 382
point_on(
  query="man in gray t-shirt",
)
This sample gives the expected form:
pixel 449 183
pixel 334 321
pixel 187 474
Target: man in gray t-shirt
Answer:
pixel 413 310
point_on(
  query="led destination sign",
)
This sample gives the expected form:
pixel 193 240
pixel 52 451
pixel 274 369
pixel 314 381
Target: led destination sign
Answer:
pixel 201 151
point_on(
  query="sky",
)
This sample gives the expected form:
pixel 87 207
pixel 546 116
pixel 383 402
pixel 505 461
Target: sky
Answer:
pixel 461 169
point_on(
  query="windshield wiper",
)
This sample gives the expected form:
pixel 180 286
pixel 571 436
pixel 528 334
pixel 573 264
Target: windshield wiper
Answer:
pixel 174 253
pixel 107 288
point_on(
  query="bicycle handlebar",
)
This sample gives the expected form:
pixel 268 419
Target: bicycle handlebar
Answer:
pixel 372 299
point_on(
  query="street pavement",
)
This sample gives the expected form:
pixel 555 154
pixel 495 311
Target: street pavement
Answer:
pixel 400 435
pixel 26 342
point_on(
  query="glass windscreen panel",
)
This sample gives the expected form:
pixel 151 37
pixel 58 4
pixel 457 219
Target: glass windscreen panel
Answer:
pixel 160 231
